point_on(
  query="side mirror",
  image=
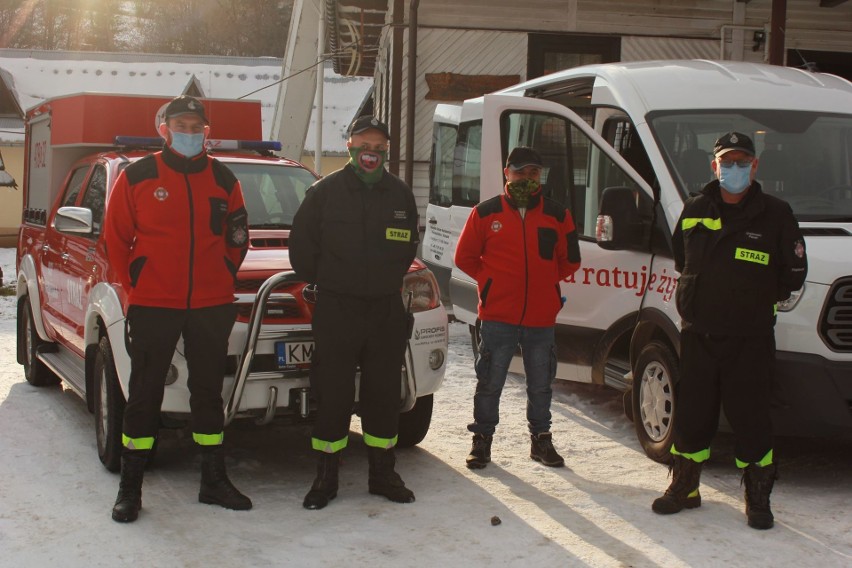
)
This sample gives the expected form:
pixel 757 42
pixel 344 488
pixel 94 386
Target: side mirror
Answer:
pixel 619 225
pixel 73 220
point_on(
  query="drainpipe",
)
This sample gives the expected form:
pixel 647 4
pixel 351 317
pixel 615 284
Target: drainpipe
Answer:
pixel 396 85
pixel 412 80
pixel 319 98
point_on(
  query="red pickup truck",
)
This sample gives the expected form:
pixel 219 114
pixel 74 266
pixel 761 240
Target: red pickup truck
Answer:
pixel 71 308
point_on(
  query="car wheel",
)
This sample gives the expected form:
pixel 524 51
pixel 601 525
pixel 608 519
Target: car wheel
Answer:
pixel 109 407
pixel 654 402
pixel 414 424
pixel 36 372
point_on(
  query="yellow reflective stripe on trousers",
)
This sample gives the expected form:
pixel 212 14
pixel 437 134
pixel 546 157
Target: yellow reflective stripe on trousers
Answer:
pixel 329 447
pixel 697 457
pixel 208 439
pixel 755 256
pixel 767 460
pixel 137 443
pixel 690 222
pixel 375 442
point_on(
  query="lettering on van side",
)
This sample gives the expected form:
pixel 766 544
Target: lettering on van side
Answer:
pixel 641 281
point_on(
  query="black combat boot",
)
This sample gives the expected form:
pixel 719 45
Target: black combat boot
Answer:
pixel 758 485
pixel 480 452
pixel 216 488
pixel 542 450
pixel 324 488
pixel 129 500
pixel 383 479
pixel 683 491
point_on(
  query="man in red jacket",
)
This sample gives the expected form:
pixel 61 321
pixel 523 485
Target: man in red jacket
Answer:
pixel 176 233
pixel 518 246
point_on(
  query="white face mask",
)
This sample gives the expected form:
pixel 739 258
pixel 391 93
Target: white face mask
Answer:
pixel 735 179
pixel 187 145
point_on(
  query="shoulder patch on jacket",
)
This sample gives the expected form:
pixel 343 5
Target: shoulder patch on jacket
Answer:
pixel 490 207
pixel 554 209
pixel 224 177
pixel 143 169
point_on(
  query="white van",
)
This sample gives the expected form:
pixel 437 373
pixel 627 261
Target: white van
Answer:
pixel 630 142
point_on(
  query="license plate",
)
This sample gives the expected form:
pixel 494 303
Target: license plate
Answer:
pixel 290 354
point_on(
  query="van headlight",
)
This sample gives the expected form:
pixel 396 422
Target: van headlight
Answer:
pixel 790 303
pixel 422 288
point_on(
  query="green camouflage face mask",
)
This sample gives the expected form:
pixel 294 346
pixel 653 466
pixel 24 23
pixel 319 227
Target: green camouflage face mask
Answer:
pixel 521 190
pixel 368 165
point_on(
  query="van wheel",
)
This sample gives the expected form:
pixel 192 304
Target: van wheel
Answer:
pixel 654 399
pixel 36 373
pixel 475 337
pixel 414 424
pixel 109 407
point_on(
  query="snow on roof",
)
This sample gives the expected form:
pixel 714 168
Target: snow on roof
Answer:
pixel 39 75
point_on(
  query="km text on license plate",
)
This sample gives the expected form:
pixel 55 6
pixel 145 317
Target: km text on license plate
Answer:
pixel 289 354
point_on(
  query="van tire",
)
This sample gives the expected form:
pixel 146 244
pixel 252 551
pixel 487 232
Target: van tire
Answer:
pixel 414 424
pixel 36 372
pixel 654 405
pixel 109 407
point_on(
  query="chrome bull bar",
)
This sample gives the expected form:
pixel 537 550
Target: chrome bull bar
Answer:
pixel 254 324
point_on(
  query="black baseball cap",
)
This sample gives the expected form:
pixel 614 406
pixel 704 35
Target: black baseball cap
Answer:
pixel 364 123
pixel 733 141
pixel 185 104
pixel 523 156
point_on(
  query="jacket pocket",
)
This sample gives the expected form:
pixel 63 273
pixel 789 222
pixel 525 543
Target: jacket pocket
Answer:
pixel 136 269
pixel 218 212
pixel 687 288
pixel 546 242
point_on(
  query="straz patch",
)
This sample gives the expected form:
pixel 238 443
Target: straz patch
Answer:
pixel 403 235
pixel 749 255
pixel 161 194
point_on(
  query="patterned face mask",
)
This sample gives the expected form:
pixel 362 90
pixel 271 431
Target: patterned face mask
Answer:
pixel 521 190
pixel 368 164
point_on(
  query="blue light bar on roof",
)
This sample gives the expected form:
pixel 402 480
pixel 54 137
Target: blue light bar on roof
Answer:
pixel 212 144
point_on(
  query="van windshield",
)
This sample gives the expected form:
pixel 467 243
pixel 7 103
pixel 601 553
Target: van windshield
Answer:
pixel 805 158
pixel 272 192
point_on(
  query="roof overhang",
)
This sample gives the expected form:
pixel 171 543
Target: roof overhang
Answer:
pixel 355 29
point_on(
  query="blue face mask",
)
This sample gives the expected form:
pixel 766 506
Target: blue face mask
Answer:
pixel 187 145
pixel 735 179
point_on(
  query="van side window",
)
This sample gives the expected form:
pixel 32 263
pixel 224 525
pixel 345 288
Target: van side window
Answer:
pixel 575 170
pixel 621 134
pixel 466 163
pixel 441 169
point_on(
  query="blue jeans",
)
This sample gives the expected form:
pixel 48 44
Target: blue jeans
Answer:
pixel 496 349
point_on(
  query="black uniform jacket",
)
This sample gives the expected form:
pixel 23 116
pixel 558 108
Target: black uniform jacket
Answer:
pixel 736 261
pixel 352 239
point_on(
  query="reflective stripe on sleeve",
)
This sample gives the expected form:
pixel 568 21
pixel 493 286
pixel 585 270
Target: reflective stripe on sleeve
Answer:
pixel 690 222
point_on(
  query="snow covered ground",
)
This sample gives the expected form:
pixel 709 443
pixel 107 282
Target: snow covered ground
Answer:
pixel 55 497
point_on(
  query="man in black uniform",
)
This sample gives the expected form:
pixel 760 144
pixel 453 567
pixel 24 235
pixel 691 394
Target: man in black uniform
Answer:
pixel 739 251
pixel 355 236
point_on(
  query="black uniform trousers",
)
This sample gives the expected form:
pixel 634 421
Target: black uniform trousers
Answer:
pixel 153 334
pixel 734 372
pixel 349 332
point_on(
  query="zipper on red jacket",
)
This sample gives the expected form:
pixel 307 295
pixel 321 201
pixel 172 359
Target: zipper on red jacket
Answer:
pixel 526 264
pixel 191 241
